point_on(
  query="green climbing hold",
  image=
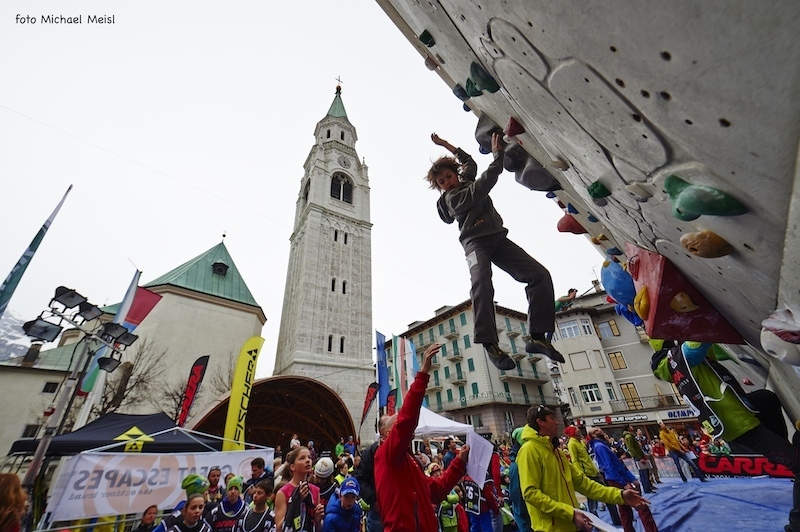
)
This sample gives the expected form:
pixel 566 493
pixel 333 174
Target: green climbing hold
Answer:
pixel 482 79
pixel 471 89
pixel 427 39
pixel 598 190
pixel 689 202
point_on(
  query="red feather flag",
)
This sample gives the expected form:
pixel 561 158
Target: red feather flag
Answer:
pixel 391 402
pixel 372 392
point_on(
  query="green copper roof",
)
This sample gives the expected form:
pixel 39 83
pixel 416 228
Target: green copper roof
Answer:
pixel 337 107
pixel 57 359
pixel 199 275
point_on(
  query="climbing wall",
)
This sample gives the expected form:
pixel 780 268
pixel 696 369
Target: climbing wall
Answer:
pixel 647 123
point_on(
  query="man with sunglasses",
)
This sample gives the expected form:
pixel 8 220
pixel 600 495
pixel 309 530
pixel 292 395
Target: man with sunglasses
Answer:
pixel 549 480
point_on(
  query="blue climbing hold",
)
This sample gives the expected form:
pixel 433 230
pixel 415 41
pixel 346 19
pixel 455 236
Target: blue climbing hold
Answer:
pixel 460 93
pixel 592 218
pixel 614 251
pixel 550 195
pixel 571 209
pixel 618 283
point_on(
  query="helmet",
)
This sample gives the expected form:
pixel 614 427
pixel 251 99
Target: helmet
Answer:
pixel 194 484
pixel 324 467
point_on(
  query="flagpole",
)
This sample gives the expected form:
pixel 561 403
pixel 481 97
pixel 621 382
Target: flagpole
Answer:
pixel 95 395
pixel 10 284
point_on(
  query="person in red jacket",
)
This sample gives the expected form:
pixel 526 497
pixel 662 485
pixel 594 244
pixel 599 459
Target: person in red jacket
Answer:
pixel 404 492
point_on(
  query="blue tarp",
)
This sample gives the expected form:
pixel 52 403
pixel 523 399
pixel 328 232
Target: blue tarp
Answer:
pixel 723 504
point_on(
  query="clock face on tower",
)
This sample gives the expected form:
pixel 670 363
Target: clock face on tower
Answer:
pixel 344 161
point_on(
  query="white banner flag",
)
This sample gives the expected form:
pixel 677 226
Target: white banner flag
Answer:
pixel 100 484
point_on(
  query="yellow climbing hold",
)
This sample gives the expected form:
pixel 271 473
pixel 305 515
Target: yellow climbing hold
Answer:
pixel 682 303
pixel 706 244
pixel 641 303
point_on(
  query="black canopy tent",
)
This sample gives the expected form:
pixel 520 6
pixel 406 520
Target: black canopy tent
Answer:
pixel 118 429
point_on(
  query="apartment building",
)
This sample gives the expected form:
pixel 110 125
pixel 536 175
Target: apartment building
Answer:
pixel 466 387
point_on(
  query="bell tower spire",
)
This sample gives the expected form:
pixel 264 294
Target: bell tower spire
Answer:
pixel 326 322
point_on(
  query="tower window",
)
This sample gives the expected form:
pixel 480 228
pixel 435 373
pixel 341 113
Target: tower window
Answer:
pixel 219 268
pixel 335 235
pixel 341 344
pixel 330 343
pixel 341 188
pixel 341 135
pixel 328 134
pixel 345 239
pixel 333 284
pixel 344 287
pixel 306 190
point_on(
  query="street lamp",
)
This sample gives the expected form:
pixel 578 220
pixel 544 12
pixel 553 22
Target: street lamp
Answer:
pixel 112 335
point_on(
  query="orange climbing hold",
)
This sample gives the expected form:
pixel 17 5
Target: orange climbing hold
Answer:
pixel 706 244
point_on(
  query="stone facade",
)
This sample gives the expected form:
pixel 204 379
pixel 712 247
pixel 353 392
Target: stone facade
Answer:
pixel 326 322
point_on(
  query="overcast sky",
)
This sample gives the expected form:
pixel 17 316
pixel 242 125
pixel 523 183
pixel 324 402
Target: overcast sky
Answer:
pixel 184 120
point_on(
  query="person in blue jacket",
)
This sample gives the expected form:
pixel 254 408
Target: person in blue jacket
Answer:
pixel 343 514
pixel 617 475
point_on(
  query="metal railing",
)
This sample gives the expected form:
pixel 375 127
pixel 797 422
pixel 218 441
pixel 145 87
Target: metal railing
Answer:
pixel 652 402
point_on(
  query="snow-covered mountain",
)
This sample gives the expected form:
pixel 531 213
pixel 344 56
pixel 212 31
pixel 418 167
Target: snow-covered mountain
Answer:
pixel 13 341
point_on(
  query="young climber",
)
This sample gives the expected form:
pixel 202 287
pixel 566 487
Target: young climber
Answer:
pixel 485 242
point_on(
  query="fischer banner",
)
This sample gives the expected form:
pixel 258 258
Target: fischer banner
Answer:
pixel 100 484
pixel 243 378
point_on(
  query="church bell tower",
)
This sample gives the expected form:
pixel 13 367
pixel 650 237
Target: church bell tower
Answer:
pixel 326 323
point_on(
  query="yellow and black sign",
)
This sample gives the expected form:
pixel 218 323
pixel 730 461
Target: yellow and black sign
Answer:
pixel 135 438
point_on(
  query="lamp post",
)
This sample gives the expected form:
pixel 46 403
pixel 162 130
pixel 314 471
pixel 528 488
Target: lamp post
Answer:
pixel 47 327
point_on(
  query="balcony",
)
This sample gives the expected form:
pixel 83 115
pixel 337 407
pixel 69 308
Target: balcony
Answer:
pixel 518 355
pixel 653 402
pixel 458 379
pixel 435 362
pixel 456 355
pixel 512 332
pixel 527 337
pixel 423 346
pixel 523 376
pixel 451 333
pixel 534 357
pixel 434 385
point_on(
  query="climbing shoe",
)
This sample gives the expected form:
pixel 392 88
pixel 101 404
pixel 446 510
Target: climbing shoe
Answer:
pixel 499 357
pixel 541 345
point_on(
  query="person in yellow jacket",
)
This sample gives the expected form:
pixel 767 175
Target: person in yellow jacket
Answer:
pixel 677 451
pixel 549 480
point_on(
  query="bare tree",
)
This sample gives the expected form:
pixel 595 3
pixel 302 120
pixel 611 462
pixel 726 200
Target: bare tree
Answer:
pixel 171 397
pixel 221 379
pixel 135 381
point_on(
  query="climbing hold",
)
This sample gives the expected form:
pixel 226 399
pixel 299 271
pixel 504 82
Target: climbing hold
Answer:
pixel 628 314
pixel 460 93
pixel 483 80
pixel 706 244
pixel 559 164
pixel 471 89
pixel 638 192
pixel 614 251
pixel 784 325
pixel 597 239
pixel 484 131
pixel 682 303
pixel 641 303
pixel 561 205
pixel 568 224
pixel 466 107
pixel 515 158
pixel 689 202
pixel 571 209
pixel 427 39
pixel 550 195
pixel 779 348
pixel 618 283
pixel 535 177
pixel 513 128
pixel 430 63
pixel 592 218
pixel 598 190
pixel 600 202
